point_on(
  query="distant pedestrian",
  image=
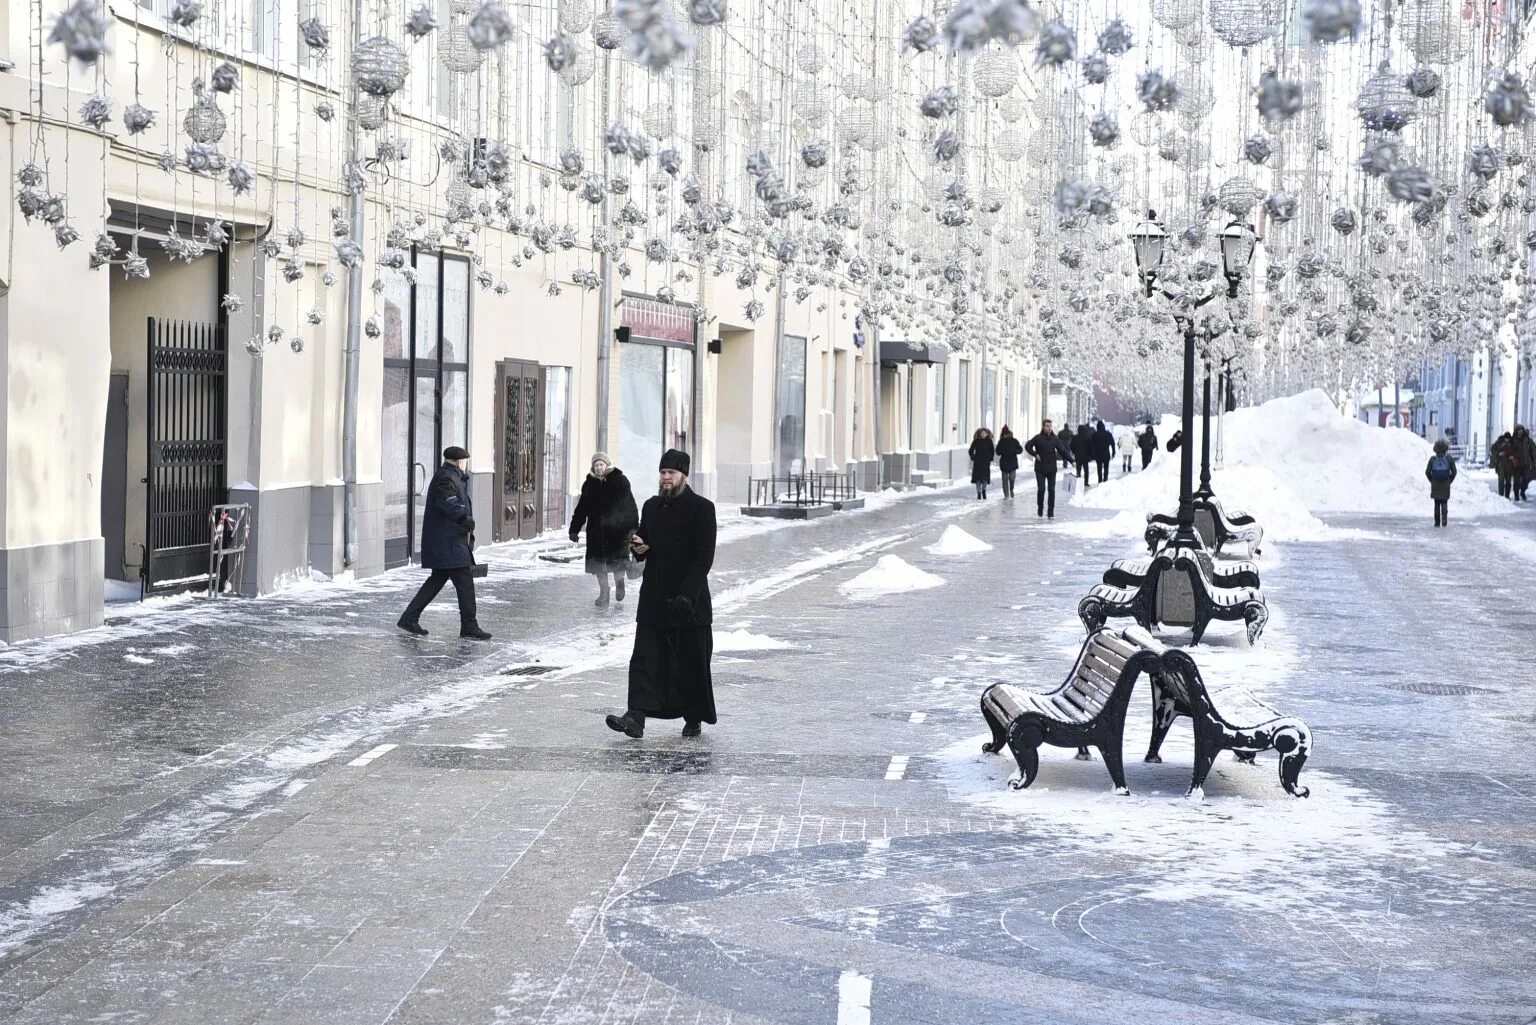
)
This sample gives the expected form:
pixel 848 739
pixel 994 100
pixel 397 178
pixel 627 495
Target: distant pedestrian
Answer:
pixel 1008 452
pixel 1502 455
pixel 1127 446
pixel 1103 450
pixel 607 508
pixel 982 452
pixel 1148 445
pixel 1082 452
pixel 448 546
pixel 1525 462
pixel 669 674
pixel 1046 450
pixel 1440 470
pixel 1175 441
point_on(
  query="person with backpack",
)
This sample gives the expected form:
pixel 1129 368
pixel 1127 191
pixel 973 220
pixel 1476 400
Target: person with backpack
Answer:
pixel 1008 452
pixel 1440 471
pixel 982 452
pixel 1148 445
pixel 1127 446
pixel 1103 450
pixel 1501 454
pixel 1524 449
pixel 1045 449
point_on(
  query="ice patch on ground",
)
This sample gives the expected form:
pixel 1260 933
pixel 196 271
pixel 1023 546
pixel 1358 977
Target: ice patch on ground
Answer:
pixel 955 541
pixel 1521 545
pixel 1291 458
pixel 744 640
pixel 138 660
pixel 891 574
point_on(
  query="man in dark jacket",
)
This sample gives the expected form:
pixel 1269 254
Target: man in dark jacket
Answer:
pixel 1147 442
pixel 447 546
pixel 1103 450
pixel 1045 449
pixel 1502 456
pixel 669 669
pixel 1523 447
pixel 1082 452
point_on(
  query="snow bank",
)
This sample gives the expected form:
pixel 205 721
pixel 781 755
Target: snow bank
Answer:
pixel 1291 458
pixel 120 590
pixel 891 574
pixel 955 541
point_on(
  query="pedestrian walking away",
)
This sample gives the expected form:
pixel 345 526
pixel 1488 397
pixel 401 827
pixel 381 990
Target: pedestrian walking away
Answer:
pixel 1440 471
pixel 1175 441
pixel 1127 446
pixel 1103 450
pixel 448 546
pixel 1502 455
pixel 1082 452
pixel 1008 452
pixel 1046 450
pixel 607 508
pixel 1524 449
pixel 1148 445
pixel 669 674
pixel 981 452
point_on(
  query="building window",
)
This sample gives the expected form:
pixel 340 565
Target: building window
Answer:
pixel 656 375
pixel 963 404
pixel 939 425
pixel 789 406
pixel 989 398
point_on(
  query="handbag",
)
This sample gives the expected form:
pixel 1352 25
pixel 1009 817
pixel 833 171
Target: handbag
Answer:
pixel 634 569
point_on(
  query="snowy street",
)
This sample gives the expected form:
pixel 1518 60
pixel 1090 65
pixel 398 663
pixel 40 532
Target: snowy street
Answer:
pixel 286 811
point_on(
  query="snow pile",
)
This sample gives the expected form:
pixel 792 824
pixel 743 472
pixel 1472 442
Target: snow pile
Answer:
pixel 1290 458
pixel 955 541
pixel 745 640
pixel 891 574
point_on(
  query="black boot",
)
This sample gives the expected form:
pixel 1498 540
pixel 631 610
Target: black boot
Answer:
pixel 692 729
pixel 629 724
pixel 472 630
pixel 411 626
pixel 618 587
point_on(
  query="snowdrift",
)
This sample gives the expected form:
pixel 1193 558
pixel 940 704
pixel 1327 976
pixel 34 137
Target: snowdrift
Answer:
pixel 891 574
pixel 1291 458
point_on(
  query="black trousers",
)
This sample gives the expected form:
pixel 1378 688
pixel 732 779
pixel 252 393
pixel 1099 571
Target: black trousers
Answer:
pixel 1125 465
pixel 1045 491
pixel 1008 477
pixel 463 584
pixel 1146 457
pixel 1103 470
pixel 1521 485
pixel 1082 471
pixel 1506 485
pixel 1440 513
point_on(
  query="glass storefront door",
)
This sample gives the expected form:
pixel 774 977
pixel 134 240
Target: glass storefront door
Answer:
pixel 789 407
pixel 656 385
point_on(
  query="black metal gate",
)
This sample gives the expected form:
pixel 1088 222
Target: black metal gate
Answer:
pixel 186 430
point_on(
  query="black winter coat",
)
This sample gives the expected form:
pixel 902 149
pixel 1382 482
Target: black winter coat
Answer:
pixel 1082 445
pixel 982 452
pixel 1523 450
pixel 1008 452
pixel 607 508
pixel 1103 443
pixel 1175 441
pixel 680 533
pixel 1046 450
pixel 1440 490
pixel 447 525
pixel 1147 441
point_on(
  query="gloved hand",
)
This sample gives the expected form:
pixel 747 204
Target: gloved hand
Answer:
pixel 574 537
pixel 468 523
pixel 682 610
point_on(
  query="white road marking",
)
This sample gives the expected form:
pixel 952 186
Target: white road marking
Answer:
pixel 898 767
pixel 853 992
pixel 917 717
pixel 368 756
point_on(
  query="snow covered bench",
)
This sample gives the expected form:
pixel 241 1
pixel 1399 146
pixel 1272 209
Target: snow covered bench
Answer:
pixel 1159 597
pixel 1229 719
pixel 1213 525
pixel 1131 572
pixel 1088 709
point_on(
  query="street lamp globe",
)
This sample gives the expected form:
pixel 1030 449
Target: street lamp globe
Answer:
pixel 1237 242
pixel 1147 241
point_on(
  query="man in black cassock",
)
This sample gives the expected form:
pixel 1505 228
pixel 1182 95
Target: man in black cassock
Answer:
pixel 669 670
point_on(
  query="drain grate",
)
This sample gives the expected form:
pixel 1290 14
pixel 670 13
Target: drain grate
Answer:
pixel 1440 689
pixel 528 670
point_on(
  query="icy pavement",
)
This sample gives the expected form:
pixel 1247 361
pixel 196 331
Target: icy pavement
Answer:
pixel 287 812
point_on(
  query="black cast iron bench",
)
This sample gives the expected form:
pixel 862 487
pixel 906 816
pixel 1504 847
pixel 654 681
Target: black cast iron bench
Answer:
pixel 1229 719
pixel 1088 709
pixel 1132 572
pixel 1203 602
pixel 1213 525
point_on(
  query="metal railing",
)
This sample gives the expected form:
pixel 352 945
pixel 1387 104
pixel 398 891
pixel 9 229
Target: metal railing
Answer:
pixel 801 489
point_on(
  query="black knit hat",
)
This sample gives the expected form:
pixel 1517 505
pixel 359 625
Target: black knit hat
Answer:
pixel 675 459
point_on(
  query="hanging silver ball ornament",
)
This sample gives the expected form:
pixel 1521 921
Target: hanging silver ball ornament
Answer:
pixel 1257 149
pixel 1385 103
pixel 575 16
pixel 1409 183
pixel 96 111
pixel 1278 99
pixel 186 12
pixel 65 235
pixel 204 122
pixel 372 112
pixel 379 66
pixel 241 178
pixel 920 35
pixel 296 343
pixel 225 78
pixel 608 32
pixel 1332 21
pixel 1095 69
pixel 274 334
pixel 655 37
pixel 456 53
pixel 82 31
pixel 1243 23
pixel 1057 44
pixel 1281 207
pixel 938 102
pixel 707 12
pixel 1115 38
pixel 324 111
pixel 1484 162
pixel 1176 14
pixel 1508 102
pixel 1344 221
pixel 1009 145
pixel 105 247
pixel 1104 129
pixel 1155 91
pixel 571 161
pixel 293 268
pixel 1422 82
pixel 30 175
pixel 203 158
pixel 1237 196
pixel 671 161
pixel 559 54
pixel 371 326
pixel 349 254
pixel 995 72
pixel 316 36
pixel 421 22
pixel 166 162
pixel 1379 157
